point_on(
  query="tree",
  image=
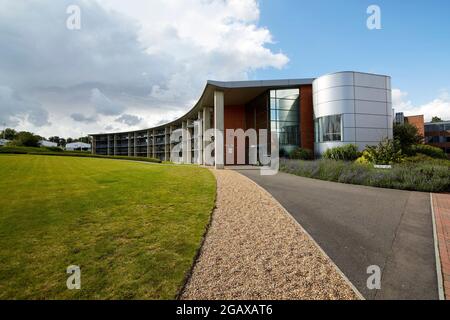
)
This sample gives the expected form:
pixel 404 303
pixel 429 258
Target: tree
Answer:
pixel 407 135
pixel 54 139
pixel 83 139
pixel 8 134
pixel 62 142
pixel 436 119
pixel 26 139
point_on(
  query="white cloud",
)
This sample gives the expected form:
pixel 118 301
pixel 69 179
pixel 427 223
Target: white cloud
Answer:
pixel 104 105
pixel 79 117
pixel 202 40
pixel 16 110
pixel 148 58
pixel 439 107
pixel 129 119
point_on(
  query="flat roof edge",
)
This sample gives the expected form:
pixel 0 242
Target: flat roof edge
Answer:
pixel 259 83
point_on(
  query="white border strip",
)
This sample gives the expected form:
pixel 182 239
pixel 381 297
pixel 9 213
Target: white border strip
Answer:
pixel 360 296
pixel 436 252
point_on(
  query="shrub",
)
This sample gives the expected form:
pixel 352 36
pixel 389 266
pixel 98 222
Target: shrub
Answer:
pixel 284 153
pixel 423 176
pixel 418 158
pixel 54 149
pixel 20 150
pixel 428 150
pixel 301 154
pixel 364 158
pixel 386 152
pixel 348 152
pixel 406 135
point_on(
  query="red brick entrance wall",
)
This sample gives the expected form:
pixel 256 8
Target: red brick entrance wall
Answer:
pixel 306 118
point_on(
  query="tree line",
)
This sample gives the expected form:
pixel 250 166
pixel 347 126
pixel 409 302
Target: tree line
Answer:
pixel 29 139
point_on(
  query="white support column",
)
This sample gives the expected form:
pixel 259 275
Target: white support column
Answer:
pixel 108 145
pixel 219 106
pixel 135 144
pixel 170 143
pixel 93 145
pixel 167 144
pixel 199 140
pixel 188 142
pixel 115 144
pixel 184 141
pixel 206 127
pixel 129 144
pixel 153 142
pixel 148 143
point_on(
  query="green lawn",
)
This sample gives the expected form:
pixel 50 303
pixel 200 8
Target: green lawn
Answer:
pixel 133 228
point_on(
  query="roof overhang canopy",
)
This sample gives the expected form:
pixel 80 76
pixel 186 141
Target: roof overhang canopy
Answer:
pixel 235 93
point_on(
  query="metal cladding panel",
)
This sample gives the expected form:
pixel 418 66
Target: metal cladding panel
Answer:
pixel 371 121
pixel 334 107
pixel 371 107
pixel 349 134
pixel 334 94
pixel 370 80
pixel 364 102
pixel 371 135
pixel 348 120
pixel 388 83
pixel 389 97
pixel 371 94
pixel 334 80
pixel 390 121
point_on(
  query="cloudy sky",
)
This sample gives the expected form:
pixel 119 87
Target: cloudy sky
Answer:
pixel 137 63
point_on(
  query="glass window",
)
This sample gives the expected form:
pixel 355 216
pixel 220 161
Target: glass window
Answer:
pixel 284 117
pixel 328 128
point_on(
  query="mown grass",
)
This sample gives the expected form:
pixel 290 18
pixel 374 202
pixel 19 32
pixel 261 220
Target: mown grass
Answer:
pixel 432 176
pixel 62 153
pixel 133 228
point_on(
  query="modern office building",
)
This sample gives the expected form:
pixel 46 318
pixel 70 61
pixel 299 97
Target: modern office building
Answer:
pixel 417 121
pixel 316 114
pixel 437 134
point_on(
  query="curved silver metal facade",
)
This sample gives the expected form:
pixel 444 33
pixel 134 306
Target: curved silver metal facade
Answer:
pixel 364 103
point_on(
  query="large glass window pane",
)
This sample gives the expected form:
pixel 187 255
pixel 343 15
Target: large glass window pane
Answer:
pixel 287 94
pixel 273 115
pixel 328 128
pixel 284 104
pixel 284 116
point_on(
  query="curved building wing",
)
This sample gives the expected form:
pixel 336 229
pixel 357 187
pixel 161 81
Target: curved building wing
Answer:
pixel 315 114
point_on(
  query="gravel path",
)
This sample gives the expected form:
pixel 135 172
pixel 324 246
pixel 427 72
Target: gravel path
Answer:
pixel 255 250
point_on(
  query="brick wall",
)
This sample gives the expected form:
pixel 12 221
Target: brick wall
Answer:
pixel 306 118
pixel 418 122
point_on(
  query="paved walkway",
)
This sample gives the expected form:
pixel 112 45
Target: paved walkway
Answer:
pixel 360 226
pixel 255 250
pixel 441 205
